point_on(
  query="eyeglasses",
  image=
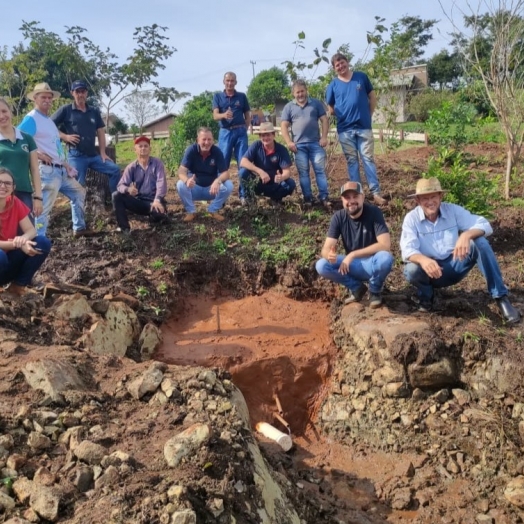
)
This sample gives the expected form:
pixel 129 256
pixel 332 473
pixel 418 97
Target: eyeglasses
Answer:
pixel 6 183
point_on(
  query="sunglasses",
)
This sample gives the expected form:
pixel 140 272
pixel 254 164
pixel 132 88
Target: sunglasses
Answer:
pixel 6 183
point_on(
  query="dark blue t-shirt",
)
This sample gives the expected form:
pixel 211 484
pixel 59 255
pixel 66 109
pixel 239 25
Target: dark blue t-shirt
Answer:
pixel 360 232
pixel 85 124
pixel 238 104
pixel 207 169
pixel 271 163
pixel 351 102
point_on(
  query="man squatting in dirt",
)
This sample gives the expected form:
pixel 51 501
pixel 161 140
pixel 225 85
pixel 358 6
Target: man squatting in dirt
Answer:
pixel 142 188
pixel 440 244
pixel 367 244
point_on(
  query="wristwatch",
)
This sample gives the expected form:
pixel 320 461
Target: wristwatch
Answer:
pixel 38 198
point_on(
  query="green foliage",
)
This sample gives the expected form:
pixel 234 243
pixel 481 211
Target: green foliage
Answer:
pixel 444 68
pixel 119 126
pixel 268 87
pixel 429 100
pixel 196 113
pixel 162 288
pixel 142 292
pixel 220 246
pixel 157 264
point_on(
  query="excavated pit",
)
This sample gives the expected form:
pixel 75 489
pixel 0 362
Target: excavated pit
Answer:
pixel 271 345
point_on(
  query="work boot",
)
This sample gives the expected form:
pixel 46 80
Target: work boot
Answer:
pixel 375 300
pixel 189 217
pixel 379 200
pixel 356 296
pixel 84 233
pixel 510 313
pixel 326 204
pixel 217 216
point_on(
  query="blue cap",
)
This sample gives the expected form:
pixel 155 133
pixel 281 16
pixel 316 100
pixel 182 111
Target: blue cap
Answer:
pixel 78 84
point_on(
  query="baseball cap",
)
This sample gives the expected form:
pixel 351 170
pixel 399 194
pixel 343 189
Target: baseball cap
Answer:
pixel 142 138
pixel 352 186
pixel 78 84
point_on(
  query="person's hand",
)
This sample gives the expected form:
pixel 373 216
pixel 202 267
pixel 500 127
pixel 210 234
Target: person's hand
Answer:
pixel 264 177
pixel 191 182
pixel 132 190
pixel 229 114
pixel 29 249
pixel 104 157
pixel 44 158
pixel 461 248
pixel 344 266
pixel 72 139
pixel 279 178
pixel 38 207
pixel 431 268
pixel 71 171
pixel 215 188
pixel 157 206
pixel 332 256
pixel 18 242
pixel 292 146
pixel 323 142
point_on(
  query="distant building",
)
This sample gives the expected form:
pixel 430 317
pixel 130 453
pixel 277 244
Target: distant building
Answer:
pixel 159 124
pixel 403 84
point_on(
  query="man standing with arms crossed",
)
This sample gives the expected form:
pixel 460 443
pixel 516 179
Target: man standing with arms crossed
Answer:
pixel 56 175
pixel 231 110
pixel 79 125
pixel 351 99
pixel 303 115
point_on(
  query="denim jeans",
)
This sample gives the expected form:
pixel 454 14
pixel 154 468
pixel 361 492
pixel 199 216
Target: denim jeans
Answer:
pixel 253 184
pixel 312 152
pixel 453 271
pixel 355 143
pixel 189 195
pixel 17 267
pixel 138 205
pixel 373 269
pixel 83 162
pixel 27 199
pixel 234 141
pixel 55 180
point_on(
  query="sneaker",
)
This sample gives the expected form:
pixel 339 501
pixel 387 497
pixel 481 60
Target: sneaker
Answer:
pixel 189 217
pixel 217 216
pixel 379 200
pixel 375 300
pixel 84 233
pixel 509 312
pixel 356 296
pixel 125 231
pixel 326 204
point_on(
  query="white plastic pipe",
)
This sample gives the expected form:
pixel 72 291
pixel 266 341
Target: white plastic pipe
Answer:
pixel 283 440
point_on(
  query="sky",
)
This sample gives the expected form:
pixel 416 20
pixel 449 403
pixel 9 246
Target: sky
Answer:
pixel 215 36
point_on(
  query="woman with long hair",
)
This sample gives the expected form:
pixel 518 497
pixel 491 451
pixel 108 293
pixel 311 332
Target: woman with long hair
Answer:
pixel 20 255
pixel 18 153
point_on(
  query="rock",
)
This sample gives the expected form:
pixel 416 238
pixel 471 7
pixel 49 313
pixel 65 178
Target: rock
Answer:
pixel 116 459
pixel 149 340
pixel 185 443
pixel 15 461
pixel 461 396
pixel 114 334
pixel 186 516
pixel 439 374
pixel 23 488
pixel 484 519
pixel 452 466
pixel 174 493
pixel 6 502
pixel 45 502
pixel 17 520
pixel 83 479
pixel 401 499
pixel 132 302
pixel 69 307
pixel 53 378
pixel 109 478
pixel 148 382
pixel 216 507
pixel 396 390
pixel 441 396
pixel 418 394
pixel 38 441
pixel 44 477
pixel 100 306
pixel 7 442
pixel 208 376
pixel 514 492
pixel 89 452
pixel 31 515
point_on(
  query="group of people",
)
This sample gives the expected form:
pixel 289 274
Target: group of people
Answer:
pixel 440 242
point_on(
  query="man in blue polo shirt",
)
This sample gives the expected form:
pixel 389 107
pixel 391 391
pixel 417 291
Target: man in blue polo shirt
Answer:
pixel 231 110
pixel 350 97
pixel 79 125
pixel 302 115
pixel 267 167
pixel 203 175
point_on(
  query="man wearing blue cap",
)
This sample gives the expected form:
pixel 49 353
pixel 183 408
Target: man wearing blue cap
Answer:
pixel 80 124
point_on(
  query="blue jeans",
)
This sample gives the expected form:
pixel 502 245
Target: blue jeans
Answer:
pixel 54 181
pixel 453 271
pixel 355 143
pixel 373 269
pixel 312 152
pixel 253 184
pixel 234 141
pixel 189 195
pixel 83 162
pixel 17 267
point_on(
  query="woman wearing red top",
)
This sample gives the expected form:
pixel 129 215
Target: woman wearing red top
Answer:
pixel 20 256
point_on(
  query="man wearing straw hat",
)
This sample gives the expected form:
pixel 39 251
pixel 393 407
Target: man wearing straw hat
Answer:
pixel 367 245
pixel 441 243
pixel 56 175
pixel 267 167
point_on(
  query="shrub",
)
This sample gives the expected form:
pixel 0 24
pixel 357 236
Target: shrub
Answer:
pixel 423 103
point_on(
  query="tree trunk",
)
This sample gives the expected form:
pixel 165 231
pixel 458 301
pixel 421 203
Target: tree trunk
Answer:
pixel 509 169
pixel 97 185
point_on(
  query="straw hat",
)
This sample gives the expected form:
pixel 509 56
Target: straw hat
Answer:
pixel 43 87
pixel 265 127
pixel 425 186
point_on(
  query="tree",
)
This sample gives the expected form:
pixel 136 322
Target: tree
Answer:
pixel 444 69
pixel 140 105
pixel 268 87
pixel 119 126
pixel 495 52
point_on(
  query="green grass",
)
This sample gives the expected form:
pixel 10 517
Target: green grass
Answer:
pixel 125 151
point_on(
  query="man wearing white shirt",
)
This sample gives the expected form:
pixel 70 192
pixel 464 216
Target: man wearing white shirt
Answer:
pixel 442 242
pixel 56 175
